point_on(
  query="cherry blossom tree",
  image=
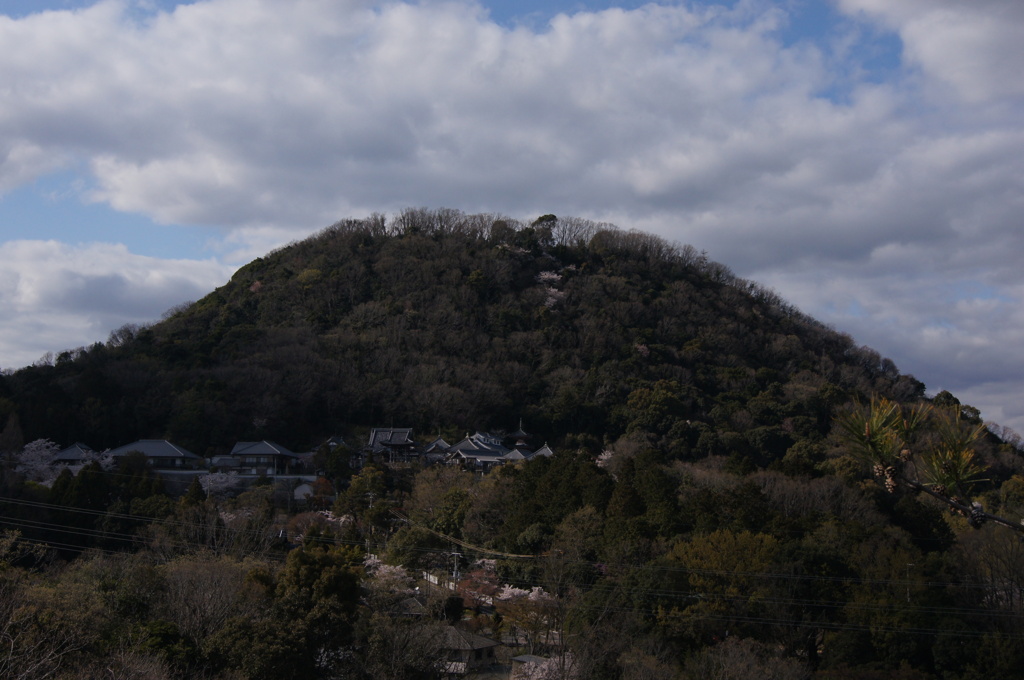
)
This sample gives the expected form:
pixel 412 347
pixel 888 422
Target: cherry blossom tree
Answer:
pixel 530 612
pixel 35 461
pixel 220 484
pixel 386 585
pixel 561 667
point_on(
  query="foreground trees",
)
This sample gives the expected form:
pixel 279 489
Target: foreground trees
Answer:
pixel 940 461
pixel 706 516
pixel 659 569
pixel 201 615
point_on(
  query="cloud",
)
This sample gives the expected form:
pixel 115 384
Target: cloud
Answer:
pixel 973 48
pixel 55 296
pixel 895 193
pixel 247 114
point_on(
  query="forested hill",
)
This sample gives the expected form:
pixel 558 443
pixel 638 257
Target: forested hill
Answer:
pixel 716 505
pixel 448 322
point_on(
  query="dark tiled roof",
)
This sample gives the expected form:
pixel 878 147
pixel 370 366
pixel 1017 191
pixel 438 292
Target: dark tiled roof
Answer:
pixel 480 444
pixel 155 448
pixel 544 451
pixel 75 453
pixel 438 445
pixel 263 448
pixel 456 638
pixel 381 437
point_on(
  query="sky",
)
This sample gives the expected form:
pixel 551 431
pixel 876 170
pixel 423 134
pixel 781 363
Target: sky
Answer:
pixel 863 158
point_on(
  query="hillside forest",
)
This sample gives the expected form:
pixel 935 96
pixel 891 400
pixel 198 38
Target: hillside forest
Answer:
pixel 737 490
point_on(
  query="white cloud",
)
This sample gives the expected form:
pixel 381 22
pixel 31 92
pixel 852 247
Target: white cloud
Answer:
pixel 972 47
pixel 55 296
pixel 246 113
pixel 268 120
pixel 21 162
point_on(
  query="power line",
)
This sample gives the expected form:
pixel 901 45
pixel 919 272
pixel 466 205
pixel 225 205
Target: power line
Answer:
pixel 667 594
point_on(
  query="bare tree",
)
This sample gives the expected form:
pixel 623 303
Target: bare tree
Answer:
pixel 995 560
pixel 404 647
pixel 206 590
pixel 740 659
pixel 33 645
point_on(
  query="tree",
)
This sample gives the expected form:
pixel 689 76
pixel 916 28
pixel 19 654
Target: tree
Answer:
pixel 335 461
pixel 995 560
pixel 366 501
pixel 386 585
pixel 532 613
pixel 397 645
pixel 43 625
pixel 886 436
pixel 264 647
pixel 11 437
pixel 135 478
pixel 219 484
pixel 452 513
pixel 404 648
pixel 318 593
pixel 559 667
pixel 363 492
pixel 35 461
pixel 204 591
pixel 725 575
pixel 739 659
pixel 195 493
pixel 417 547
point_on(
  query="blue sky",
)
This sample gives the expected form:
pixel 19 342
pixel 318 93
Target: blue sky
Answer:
pixel 56 206
pixel 863 157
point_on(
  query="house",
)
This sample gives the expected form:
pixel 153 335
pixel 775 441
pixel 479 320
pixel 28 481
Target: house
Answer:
pixel 436 451
pixel 521 435
pixel 411 607
pixel 76 454
pixel 543 451
pixel 480 451
pixel 483 451
pixel 160 453
pixel 335 441
pixel 517 455
pixel 520 451
pixel 467 651
pixel 263 458
pixel 392 444
pixel 317 494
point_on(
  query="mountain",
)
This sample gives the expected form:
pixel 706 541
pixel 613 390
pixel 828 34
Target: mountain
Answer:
pixel 448 322
pixel 736 489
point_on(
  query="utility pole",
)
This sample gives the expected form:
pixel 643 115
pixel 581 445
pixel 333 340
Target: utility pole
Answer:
pixel 455 566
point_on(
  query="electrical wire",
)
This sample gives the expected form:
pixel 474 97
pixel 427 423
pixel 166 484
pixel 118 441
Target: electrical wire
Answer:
pixel 667 595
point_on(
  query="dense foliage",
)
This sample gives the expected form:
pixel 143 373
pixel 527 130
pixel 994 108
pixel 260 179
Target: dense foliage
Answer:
pixel 738 491
pixel 443 321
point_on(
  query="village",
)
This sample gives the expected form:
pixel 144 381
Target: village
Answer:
pixel 480 627
pixel 249 461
